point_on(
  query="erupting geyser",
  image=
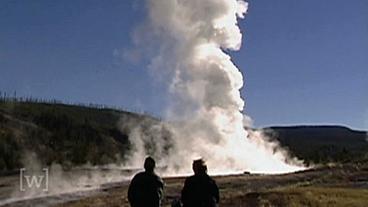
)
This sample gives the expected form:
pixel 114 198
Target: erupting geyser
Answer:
pixel 192 37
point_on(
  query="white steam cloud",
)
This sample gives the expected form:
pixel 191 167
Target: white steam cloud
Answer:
pixel 192 38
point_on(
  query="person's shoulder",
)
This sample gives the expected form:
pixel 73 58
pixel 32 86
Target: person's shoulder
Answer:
pixel 139 175
pixel 155 175
pixel 190 179
pixel 158 178
pixel 207 178
pixel 150 175
pixel 211 180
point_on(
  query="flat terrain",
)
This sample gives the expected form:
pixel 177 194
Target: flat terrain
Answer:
pixel 328 186
pixel 337 186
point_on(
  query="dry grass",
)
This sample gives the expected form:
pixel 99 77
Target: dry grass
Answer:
pixel 304 196
pixel 293 190
pixel 287 197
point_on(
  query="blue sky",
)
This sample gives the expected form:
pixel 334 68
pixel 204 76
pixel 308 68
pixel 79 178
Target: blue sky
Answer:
pixel 304 62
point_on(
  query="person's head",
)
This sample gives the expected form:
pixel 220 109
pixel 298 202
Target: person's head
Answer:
pixel 199 167
pixel 149 164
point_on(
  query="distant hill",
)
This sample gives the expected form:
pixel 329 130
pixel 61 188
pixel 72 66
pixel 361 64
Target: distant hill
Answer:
pixel 73 135
pixel 322 144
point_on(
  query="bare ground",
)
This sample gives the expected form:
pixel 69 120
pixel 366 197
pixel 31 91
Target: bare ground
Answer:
pixel 327 186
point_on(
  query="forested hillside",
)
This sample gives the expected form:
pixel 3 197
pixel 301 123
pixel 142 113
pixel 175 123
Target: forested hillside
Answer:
pixel 65 134
pixel 73 135
pixel 322 144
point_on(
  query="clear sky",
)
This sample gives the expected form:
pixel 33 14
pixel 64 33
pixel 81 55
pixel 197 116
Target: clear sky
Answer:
pixel 304 62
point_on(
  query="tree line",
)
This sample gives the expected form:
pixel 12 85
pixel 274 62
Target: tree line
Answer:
pixel 12 97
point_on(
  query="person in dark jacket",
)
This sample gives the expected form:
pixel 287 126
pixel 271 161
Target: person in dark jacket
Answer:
pixel 146 188
pixel 200 190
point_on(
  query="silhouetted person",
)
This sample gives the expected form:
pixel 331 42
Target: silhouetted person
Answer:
pixel 200 190
pixel 146 188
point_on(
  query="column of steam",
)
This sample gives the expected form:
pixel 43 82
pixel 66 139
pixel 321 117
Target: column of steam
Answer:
pixel 206 85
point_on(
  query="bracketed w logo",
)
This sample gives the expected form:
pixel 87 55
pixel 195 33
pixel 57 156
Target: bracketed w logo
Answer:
pixel 34 181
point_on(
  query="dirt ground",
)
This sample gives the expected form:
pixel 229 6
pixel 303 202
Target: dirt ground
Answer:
pixel 336 186
pixel 328 186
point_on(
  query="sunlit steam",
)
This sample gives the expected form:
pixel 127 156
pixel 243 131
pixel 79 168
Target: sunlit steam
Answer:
pixel 206 106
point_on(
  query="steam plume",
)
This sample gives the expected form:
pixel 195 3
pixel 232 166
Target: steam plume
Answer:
pixel 193 37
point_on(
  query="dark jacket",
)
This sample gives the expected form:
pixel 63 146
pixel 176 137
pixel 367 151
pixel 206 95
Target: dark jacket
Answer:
pixel 145 190
pixel 200 191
